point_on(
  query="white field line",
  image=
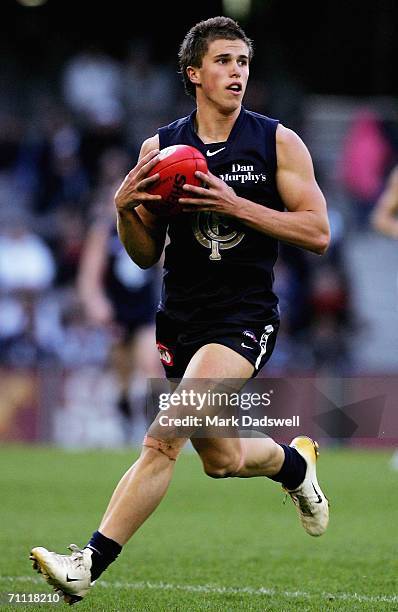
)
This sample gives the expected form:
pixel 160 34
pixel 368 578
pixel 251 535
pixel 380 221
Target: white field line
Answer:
pixel 209 589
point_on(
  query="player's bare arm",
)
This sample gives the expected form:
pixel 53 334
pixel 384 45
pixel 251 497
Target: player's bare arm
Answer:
pixel 142 234
pixel 385 216
pixel 304 223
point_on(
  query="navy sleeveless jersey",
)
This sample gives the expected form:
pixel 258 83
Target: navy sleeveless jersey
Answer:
pixel 216 269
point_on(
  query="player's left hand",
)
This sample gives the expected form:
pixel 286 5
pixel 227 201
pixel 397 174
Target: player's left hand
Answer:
pixel 215 196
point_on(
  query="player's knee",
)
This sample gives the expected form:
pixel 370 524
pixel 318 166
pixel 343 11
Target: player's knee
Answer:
pixel 224 467
pixel 169 448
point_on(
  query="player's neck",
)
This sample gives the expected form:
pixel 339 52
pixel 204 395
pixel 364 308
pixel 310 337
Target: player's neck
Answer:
pixel 213 126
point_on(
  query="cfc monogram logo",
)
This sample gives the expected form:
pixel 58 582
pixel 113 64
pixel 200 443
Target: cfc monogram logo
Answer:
pixel 215 232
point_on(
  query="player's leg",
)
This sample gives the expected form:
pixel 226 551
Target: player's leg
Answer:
pixel 145 361
pixel 235 456
pixel 137 495
pixel 240 457
pixel 294 466
pixel 141 489
pixel 144 485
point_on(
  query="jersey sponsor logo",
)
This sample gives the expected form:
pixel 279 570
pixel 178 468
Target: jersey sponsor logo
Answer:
pixel 216 233
pixel 166 356
pixel 243 173
pixel 211 153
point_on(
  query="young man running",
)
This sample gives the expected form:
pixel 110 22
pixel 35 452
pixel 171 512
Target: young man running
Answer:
pixel 218 316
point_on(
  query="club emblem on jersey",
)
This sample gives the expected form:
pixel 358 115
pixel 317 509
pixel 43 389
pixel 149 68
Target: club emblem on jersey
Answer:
pixel 216 233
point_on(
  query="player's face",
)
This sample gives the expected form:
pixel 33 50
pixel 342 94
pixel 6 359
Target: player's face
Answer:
pixel 224 73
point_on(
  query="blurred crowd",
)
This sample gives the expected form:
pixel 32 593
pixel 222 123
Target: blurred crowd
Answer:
pixel 63 275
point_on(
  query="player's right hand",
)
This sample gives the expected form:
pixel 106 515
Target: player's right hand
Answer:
pixel 132 192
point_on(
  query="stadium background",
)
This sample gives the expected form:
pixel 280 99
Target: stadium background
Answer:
pixel 77 85
pixel 326 70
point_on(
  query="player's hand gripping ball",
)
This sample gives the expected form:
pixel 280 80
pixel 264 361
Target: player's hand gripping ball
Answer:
pixel 176 166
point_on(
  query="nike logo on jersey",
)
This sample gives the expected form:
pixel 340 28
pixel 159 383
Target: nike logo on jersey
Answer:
pixel 211 153
pixel 245 346
pixel 319 501
pixel 71 579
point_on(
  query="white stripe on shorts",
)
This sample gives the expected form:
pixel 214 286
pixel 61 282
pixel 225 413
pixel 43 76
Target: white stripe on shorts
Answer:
pixel 263 344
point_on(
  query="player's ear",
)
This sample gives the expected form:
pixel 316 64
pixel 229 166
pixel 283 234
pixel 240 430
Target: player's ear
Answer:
pixel 193 75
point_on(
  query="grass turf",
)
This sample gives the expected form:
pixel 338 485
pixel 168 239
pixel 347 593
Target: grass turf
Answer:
pixel 211 545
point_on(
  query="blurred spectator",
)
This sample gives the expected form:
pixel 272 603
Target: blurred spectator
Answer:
pixel 385 220
pixel 330 321
pixel 67 243
pixel 298 288
pixel 293 351
pixel 148 93
pixel 92 89
pixel 15 186
pixel 365 160
pixel 385 215
pixel 293 274
pixel 315 299
pixel 11 135
pixel 52 154
pixel 118 295
pixel 332 318
pixel 81 346
pixel 27 271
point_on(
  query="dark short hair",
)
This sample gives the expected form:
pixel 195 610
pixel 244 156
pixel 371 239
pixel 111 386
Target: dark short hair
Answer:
pixel 196 43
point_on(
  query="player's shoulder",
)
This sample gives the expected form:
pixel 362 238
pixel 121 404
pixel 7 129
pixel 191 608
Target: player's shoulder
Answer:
pixel 259 117
pixel 286 136
pixel 289 144
pixel 154 141
pixel 175 132
pixel 177 123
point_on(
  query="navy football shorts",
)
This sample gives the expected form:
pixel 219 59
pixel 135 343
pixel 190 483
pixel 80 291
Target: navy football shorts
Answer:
pixel 177 342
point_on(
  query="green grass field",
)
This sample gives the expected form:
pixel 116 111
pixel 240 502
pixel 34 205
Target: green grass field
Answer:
pixel 212 544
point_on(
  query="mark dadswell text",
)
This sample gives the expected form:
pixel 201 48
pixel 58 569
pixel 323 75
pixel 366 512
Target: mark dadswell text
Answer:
pixel 244 420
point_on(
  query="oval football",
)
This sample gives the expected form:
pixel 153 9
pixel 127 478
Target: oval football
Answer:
pixel 177 165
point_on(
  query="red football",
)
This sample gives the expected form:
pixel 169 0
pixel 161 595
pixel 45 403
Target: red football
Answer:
pixel 176 166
